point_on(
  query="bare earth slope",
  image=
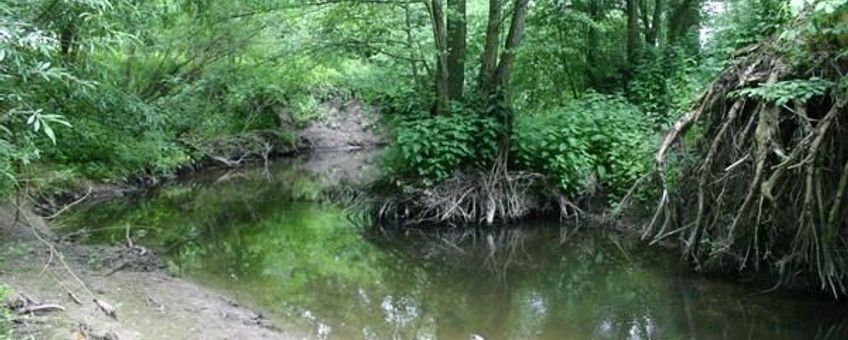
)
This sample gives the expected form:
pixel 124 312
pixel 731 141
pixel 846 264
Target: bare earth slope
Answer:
pixel 343 126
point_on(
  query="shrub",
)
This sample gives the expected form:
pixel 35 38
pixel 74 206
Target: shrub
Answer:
pixel 595 141
pixel 431 148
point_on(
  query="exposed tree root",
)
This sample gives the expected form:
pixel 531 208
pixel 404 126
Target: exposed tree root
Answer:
pixel 767 183
pixel 480 198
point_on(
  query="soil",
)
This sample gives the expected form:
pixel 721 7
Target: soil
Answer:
pixel 342 126
pixel 148 303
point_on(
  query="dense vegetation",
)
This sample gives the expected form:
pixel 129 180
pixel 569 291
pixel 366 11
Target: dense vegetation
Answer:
pixel 495 109
pixel 116 89
pixel 120 89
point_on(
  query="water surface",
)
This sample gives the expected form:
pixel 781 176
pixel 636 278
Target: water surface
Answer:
pixel 263 237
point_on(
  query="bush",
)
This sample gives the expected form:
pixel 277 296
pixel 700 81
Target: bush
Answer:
pixel 431 148
pixel 595 141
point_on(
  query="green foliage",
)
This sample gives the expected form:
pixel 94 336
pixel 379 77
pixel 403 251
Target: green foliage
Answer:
pixel 664 81
pixel 598 140
pixel 430 149
pixel 163 81
pixel 570 47
pixel 745 23
pixel 787 91
pixel 26 73
pixel 559 150
pixel 825 27
pixel 5 315
pixel 304 108
pixel 825 7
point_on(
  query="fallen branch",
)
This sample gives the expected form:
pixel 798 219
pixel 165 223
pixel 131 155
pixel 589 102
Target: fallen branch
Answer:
pixel 70 205
pixel 40 308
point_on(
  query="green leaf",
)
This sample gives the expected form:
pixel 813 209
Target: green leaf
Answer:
pixel 49 132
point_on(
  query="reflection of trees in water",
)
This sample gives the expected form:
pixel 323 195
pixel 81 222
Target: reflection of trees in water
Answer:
pixel 491 249
pixel 521 283
pixel 529 285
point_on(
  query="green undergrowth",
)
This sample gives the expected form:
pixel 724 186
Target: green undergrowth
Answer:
pixel 595 144
pixel 5 315
pixel 429 149
pixel 599 144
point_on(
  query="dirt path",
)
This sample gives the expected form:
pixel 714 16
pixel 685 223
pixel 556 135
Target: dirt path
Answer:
pixel 148 304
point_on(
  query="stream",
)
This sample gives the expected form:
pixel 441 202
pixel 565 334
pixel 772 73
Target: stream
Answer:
pixel 264 237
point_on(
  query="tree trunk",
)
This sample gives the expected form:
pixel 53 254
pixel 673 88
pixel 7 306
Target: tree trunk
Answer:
pixel 410 44
pixel 656 21
pixel 632 31
pixel 456 42
pixel 683 18
pixel 643 15
pixel 489 59
pixel 513 39
pixel 437 15
pixel 67 41
pixel 591 43
pixel 501 78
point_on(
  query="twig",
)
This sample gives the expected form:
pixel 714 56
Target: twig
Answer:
pixel 70 205
pixel 74 297
pixel 127 235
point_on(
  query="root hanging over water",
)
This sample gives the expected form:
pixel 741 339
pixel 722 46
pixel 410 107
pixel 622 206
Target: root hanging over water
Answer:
pixel 765 182
pixel 479 198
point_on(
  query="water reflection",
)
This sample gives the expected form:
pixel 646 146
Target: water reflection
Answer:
pixel 263 239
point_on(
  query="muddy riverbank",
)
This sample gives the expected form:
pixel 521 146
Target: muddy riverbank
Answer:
pixel 148 303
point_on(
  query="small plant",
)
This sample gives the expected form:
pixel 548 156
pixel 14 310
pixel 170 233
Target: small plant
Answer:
pixel 304 108
pixel 5 316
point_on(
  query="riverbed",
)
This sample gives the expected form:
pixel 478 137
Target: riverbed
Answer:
pixel 272 239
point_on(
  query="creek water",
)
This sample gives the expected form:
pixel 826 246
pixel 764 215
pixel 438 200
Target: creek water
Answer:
pixel 263 237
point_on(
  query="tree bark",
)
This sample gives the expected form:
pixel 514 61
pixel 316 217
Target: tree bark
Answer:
pixel 592 43
pixel 410 44
pixel 68 40
pixel 685 16
pixel 513 39
pixel 498 96
pixel 656 21
pixel 437 16
pixel 489 59
pixel 456 43
pixel 632 31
